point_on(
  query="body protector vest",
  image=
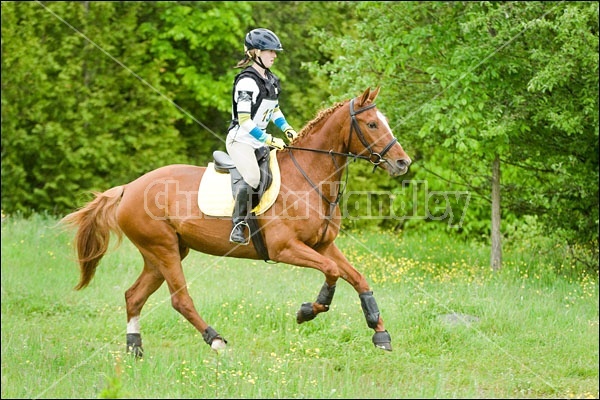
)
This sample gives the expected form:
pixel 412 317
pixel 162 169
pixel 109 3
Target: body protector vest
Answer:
pixel 266 101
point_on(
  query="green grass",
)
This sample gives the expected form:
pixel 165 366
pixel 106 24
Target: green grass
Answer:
pixel 536 337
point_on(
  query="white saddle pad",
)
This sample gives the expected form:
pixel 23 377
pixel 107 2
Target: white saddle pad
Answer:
pixel 214 194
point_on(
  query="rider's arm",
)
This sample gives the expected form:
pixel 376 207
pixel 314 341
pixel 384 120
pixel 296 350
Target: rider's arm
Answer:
pixel 247 91
pixel 279 119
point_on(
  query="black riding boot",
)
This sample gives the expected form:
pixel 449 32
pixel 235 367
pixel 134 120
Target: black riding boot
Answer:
pixel 240 213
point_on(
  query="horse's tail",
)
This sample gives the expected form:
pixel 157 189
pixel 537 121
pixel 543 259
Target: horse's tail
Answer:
pixel 95 221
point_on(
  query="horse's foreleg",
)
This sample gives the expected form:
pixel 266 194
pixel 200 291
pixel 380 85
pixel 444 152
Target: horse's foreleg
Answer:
pixel 309 311
pixel 381 338
pixel 305 256
pixel 135 298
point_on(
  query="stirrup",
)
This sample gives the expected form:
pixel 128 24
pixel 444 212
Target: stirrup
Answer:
pixel 246 239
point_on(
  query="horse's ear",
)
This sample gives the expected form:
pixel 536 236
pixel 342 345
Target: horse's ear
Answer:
pixel 374 93
pixel 364 97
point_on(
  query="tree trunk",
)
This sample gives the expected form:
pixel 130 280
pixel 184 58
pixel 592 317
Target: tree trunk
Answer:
pixel 496 256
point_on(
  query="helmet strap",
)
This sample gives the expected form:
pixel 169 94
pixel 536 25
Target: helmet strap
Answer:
pixel 259 61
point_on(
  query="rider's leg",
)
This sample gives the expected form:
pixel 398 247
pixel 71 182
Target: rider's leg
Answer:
pixel 240 213
pixel 244 158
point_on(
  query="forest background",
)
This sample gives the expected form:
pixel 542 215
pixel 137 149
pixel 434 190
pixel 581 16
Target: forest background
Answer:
pixel 495 102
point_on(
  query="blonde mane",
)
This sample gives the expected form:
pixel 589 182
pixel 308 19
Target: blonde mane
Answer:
pixel 320 116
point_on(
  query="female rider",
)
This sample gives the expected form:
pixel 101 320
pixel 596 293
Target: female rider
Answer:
pixel 254 104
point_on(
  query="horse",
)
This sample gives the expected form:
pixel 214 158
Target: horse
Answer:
pixel 159 214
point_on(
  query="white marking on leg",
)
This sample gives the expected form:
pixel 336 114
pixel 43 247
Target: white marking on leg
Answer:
pixel 133 326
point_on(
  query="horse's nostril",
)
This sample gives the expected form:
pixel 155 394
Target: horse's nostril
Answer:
pixel 403 163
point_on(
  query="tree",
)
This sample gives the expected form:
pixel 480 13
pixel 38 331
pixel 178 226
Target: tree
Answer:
pixel 91 93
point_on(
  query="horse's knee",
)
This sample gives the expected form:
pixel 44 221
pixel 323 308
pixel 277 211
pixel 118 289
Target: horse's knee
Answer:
pixel 331 270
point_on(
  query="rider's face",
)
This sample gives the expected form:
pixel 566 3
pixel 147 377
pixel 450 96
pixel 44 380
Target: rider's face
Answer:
pixel 268 57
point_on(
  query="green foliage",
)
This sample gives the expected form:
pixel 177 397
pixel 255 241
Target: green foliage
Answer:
pixel 73 119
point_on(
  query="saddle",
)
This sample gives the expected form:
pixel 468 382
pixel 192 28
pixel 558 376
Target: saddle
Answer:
pixel 224 164
pixel 218 185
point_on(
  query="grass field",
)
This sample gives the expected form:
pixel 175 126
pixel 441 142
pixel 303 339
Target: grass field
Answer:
pixel 534 333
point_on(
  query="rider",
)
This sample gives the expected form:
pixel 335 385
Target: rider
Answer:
pixel 254 104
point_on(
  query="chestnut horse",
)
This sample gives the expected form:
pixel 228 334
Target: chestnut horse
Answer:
pixel 164 220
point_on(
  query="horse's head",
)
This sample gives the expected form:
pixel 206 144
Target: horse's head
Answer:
pixel 371 135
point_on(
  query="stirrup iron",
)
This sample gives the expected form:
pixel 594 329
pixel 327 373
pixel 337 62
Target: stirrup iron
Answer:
pixel 240 225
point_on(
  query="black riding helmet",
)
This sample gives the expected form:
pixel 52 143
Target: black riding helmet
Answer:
pixel 262 39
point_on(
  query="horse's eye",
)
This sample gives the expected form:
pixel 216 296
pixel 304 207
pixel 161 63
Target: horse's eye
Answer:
pixel 372 125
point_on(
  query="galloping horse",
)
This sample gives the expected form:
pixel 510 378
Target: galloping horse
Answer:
pixel 159 213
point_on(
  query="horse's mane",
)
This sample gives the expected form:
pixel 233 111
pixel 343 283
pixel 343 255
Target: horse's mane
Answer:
pixel 320 116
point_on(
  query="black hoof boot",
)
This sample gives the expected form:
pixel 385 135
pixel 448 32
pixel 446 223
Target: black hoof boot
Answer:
pixel 383 340
pixel 134 345
pixel 214 340
pixel 305 313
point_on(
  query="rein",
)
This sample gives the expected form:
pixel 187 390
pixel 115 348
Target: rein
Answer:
pixel 373 157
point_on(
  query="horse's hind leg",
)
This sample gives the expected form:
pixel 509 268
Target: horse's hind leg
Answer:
pixel 167 258
pixel 135 298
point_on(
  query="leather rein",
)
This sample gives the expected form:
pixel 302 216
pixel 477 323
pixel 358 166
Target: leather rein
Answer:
pixel 374 158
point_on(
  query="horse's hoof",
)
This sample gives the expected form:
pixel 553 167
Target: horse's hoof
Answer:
pixel 218 345
pixel 134 345
pixel 305 313
pixel 137 351
pixel 383 340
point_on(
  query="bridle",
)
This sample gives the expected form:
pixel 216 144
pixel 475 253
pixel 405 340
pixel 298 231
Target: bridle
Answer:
pixel 374 158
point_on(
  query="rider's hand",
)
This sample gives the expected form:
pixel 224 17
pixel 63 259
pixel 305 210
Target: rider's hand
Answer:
pixel 279 144
pixel 291 134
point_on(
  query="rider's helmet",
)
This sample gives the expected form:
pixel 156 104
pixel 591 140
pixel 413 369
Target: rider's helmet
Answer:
pixel 262 39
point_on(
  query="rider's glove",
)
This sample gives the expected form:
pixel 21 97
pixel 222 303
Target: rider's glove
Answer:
pixel 291 134
pixel 279 144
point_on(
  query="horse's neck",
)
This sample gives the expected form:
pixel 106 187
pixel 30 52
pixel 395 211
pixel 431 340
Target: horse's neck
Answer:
pixel 327 136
